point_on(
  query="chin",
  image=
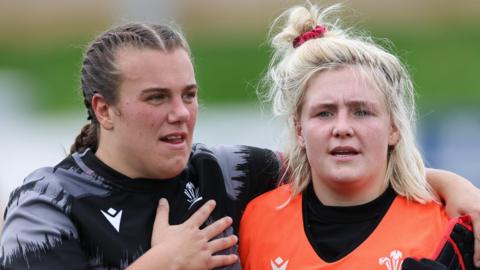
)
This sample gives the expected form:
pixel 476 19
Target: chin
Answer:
pixel 346 177
pixel 174 167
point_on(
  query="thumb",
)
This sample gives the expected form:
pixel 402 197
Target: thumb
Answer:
pixel 161 219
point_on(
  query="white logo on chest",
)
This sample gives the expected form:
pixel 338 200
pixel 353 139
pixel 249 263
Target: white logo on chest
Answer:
pixel 114 217
pixel 394 262
pixel 192 194
pixel 279 264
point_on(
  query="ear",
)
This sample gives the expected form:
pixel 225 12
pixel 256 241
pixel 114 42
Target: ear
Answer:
pixel 299 133
pixel 102 111
pixel 394 135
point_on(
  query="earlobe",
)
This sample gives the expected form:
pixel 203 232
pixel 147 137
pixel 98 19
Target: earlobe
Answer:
pixel 394 136
pixel 299 134
pixel 102 111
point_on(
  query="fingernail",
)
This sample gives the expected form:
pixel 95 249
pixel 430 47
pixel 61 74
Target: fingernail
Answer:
pixel 163 201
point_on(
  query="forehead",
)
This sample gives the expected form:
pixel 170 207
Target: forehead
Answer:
pixel 340 85
pixel 155 68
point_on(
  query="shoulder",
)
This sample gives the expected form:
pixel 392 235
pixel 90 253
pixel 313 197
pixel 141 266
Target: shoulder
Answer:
pixel 42 205
pixel 246 170
pixel 429 212
pixel 246 159
pixel 41 185
pixel 276 199
pixel 235 153
pixel 56 185
pixel 41 190
pixel 412 205
pixel 36 217
pixel 267 209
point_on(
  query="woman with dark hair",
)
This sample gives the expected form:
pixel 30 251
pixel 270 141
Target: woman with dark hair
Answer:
pixel 97 208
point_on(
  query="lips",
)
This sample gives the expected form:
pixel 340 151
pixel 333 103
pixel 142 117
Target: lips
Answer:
pixel 344 151
pixel 174 138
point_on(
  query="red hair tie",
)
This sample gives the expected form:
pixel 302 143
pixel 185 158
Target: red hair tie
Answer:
pixel 318 32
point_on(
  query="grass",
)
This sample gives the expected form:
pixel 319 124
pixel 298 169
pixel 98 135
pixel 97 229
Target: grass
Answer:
pixel 444 64
pixel 228 72
pixel 53 72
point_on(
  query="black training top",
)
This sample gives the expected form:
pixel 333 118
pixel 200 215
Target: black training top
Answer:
pixel 335 231
pixel 82 214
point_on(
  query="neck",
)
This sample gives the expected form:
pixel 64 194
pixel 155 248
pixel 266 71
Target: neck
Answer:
pixel 114 160
pixel 348 193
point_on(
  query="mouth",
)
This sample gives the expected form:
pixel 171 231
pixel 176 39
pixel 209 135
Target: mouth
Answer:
pixel 344 151
pixel 174 138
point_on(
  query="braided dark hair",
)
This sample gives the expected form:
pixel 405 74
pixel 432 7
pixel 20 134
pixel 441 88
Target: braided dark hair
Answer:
pixel 99 73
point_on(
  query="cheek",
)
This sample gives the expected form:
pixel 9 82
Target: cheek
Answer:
pixel 316 132
pixel 193 115
pixel 315 139
pixel 142 120
pixel 377 137
pixel 149 118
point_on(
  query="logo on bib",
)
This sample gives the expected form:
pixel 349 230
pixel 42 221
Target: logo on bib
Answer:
pixel 394 262
pixel 279 264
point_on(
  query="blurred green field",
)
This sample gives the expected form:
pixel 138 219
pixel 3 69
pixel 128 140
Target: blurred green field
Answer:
pixel 444 62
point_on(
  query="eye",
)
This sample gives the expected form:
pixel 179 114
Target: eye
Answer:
pixel 189 97
pixel 324 114
pixel 157 98
pixel 362 113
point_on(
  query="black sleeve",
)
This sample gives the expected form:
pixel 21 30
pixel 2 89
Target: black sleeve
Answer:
pixel 247 171
pixel 455 251
pixel 37 233
pixel 264 171
pixel 422 264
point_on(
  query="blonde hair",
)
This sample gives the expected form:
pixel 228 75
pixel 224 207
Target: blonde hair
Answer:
pixel 291 68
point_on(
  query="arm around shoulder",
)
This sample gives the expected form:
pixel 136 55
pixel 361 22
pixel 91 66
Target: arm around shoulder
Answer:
pixel 461 197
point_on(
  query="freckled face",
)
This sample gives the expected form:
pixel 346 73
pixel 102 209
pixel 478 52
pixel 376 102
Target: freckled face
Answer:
pixel 155 115
pixel 346 129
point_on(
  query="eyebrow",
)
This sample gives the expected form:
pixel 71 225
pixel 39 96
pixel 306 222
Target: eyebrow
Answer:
pixel 361 103
pixel 164 89
pixel 353 103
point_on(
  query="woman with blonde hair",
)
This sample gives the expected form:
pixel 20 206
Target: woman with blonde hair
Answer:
pixel 96 208
pixel 357 195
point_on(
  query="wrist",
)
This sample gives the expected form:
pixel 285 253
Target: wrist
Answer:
pixel 157 257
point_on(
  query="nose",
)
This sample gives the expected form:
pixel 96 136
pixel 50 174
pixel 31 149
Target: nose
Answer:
pixel 179 111
pixel 342 127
